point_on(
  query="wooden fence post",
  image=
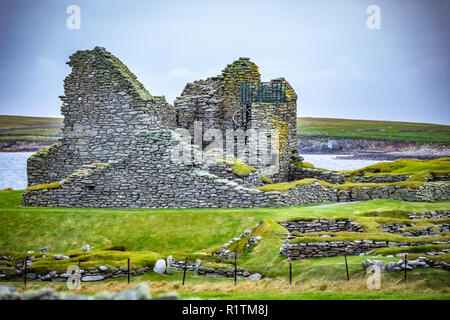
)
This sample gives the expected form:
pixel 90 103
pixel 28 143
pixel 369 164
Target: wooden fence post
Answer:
pixel 128 270
pixel 184 273
pixel 406 263
pixel 235 268
pixel 346 267
pixel 290 270
pixel 25 271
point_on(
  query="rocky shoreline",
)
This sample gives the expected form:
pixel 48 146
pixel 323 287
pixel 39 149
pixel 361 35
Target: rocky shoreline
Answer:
pixel 371 149
pixel 24 146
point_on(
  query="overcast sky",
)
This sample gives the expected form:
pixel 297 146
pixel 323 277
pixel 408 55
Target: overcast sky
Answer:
pixel 338 67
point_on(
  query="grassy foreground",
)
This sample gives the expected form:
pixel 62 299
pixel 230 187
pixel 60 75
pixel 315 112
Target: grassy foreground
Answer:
pixel 149 234
pixel 371 129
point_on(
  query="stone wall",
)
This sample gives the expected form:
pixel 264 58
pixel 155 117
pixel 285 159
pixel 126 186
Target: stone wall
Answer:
pixel 225 171
pixel 388 178
pixel 339 248
pixel 322 225
pixel 147 177
pixel 334 177
pixel 104 105
pixel 430 215
pixel 438 178
pixel 400 228
pixel 216 101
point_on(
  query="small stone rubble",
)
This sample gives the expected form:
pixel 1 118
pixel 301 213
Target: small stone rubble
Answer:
pixel 224 253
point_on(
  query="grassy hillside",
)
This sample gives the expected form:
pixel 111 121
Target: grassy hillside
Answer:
pixel 149 234
pixel 17 128
pixel 47 129
pixel 370 129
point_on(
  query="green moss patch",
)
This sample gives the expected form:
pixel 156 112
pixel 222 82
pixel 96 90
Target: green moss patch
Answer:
pixel 239 168
pixel 285 186
pixel 417 169
pixel 307 165
pixel 265 180
pixel 52 185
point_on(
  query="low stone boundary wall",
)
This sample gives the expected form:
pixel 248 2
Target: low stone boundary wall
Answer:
pixel 430 215
pixel 421 262
pixel 381 178
pixel 321 225
pixel 400 228
pixel 438 178
pixel 214 272
pixel 339 248
pixel 99 274
pixel 317 193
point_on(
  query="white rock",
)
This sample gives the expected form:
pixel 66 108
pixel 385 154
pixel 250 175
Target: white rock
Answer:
pixel 86 248
pixel 92 278
pixel 103 268
pixel 160 266
pixel 255 276
pixel 169 264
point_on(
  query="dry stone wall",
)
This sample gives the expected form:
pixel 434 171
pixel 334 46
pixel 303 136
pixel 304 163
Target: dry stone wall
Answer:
pixel 338 248
pixel 381 178
pixel 103 106
pixel 322 225
pixel 334 177
pixel 148 178
pixel 216 104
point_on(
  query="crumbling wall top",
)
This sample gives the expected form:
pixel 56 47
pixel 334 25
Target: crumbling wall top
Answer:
pixel 103 64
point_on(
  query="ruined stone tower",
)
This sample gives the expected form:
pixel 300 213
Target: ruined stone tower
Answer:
pixel 119 141
pixel 104 105
pixel 237 99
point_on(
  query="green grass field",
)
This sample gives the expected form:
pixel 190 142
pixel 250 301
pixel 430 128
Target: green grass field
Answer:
pixel 41 129
pixel 44 129
pixel 370 129
pixel 149 234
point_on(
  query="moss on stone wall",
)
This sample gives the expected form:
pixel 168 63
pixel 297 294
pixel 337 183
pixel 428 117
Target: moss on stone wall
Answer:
pixel 46 150
pixel 53 185
pixel 285 186
pixel 105 64
pixel 238 168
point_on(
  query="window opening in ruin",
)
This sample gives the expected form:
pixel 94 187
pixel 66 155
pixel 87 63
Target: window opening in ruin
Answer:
pixel 263 92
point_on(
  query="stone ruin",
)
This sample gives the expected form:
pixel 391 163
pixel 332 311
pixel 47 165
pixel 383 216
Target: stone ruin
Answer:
pixel 119 143
pixel 118 139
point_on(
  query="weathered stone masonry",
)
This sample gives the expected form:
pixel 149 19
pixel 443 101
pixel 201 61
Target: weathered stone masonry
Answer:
pixel 146 177
pixel 104 105
pixel 118 140
pixel 217 103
